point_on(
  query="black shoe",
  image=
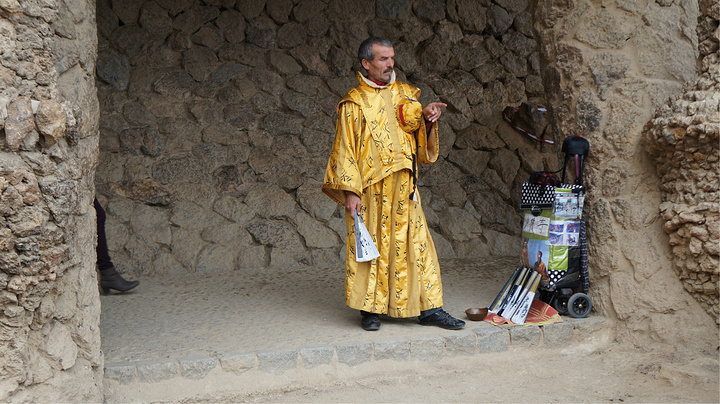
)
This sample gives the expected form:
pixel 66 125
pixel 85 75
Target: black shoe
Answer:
pixel 111 279
pixel 370 321
pixel 443 320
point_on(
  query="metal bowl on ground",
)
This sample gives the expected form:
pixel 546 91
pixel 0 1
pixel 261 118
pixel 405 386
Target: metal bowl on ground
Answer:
pixel 476 314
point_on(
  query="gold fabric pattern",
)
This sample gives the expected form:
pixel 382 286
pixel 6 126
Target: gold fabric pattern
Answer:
pixel 373 157
pixel 368 142
pixel 405 279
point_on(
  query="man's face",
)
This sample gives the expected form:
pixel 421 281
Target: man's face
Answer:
pixel 381 67
pixel 539 256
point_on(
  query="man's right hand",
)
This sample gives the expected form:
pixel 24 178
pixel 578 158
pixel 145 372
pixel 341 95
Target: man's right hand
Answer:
pixel 352 203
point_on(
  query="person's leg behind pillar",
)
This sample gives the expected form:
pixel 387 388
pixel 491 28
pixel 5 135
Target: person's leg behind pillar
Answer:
pixel 109 276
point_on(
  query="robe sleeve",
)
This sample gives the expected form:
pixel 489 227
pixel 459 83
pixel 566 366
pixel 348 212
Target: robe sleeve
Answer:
pixel 428 144
pixel 342 173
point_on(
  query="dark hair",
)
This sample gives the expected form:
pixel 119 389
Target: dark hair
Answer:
pixel 365 51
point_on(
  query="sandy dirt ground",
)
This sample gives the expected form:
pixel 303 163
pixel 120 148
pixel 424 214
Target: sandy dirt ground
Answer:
pixel 581 373
pixel 573 375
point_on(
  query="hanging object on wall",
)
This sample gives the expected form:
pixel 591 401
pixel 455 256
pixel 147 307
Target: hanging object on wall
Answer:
pixel 528 120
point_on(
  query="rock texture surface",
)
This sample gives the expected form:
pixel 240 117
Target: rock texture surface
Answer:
pixel 217 119
pixel 214 121
pixel 606 68
pixel 683 139
pixel 49 305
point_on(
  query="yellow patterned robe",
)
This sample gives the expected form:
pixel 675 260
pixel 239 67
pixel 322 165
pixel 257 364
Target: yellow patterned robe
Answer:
pixel 373 157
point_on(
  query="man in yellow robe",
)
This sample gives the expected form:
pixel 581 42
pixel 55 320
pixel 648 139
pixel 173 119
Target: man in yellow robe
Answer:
pixel 382 133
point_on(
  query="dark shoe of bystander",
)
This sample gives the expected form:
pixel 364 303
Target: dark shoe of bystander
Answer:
pixel 370 321
pixel 111 279
pixel 444 320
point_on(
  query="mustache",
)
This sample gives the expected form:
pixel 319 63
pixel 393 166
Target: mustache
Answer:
pixel 388 70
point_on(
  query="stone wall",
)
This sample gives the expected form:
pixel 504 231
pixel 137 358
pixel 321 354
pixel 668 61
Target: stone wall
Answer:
pixel 50 310
pixel 217 118
pixel 606 66
pixel 683 138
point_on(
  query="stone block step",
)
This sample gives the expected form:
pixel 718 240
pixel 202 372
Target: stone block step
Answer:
pixel 476 339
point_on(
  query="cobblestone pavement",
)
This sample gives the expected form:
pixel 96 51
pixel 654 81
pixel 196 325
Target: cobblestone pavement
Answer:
pixel 188 324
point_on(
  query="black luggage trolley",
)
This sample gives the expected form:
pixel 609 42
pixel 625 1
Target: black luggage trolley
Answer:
pixel 567 294
pixel 554 230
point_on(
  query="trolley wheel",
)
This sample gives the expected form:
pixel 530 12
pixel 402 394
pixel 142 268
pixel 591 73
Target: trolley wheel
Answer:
pixel 579 305
pixel 560 303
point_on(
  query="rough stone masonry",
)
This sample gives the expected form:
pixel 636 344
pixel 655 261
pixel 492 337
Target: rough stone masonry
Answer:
pixel 213 120
pixel 217 119
pixel 49 306
pixel 635 57
pixel 683 139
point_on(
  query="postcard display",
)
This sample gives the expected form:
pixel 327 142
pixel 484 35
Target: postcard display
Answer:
pixel 551 229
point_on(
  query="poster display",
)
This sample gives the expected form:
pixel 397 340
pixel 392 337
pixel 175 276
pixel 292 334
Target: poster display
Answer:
pixel 547 238
pixel 564 233
pixel 536 225
pixel 567 205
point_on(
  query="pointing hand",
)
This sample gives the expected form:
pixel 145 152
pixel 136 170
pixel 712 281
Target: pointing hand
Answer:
pixel 432 111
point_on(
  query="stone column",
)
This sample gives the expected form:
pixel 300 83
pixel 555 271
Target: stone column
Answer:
pixel 683 140
pixel 606 66
pixel 49 303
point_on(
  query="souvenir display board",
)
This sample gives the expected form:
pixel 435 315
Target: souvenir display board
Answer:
pixel 551 229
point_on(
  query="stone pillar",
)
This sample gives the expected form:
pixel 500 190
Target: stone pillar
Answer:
pixel 49 303
pixel 683 140
pixel 606 66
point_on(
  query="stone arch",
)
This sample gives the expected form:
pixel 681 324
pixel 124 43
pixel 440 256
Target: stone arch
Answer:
pixel 208 111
